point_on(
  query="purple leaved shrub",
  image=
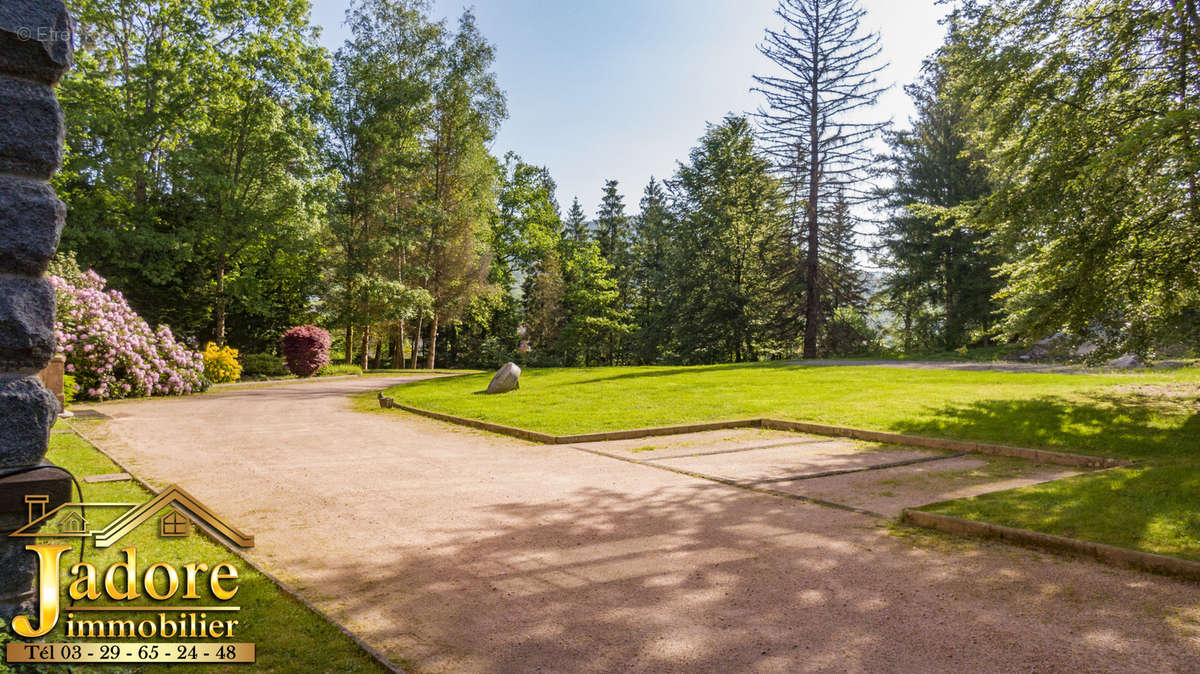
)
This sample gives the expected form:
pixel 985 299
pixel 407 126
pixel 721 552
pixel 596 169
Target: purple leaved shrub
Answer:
pixel 111 351
pixel 306 349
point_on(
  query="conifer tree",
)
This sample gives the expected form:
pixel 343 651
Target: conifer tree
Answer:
pixel 576 225
pixel 651 275
pixel 612 241
pixel 844 283
pixel 591 306
pixel 934 257
pixel 612 228
pixel 813 130
pixel 726 246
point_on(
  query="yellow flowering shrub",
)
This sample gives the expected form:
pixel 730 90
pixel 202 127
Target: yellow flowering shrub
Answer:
pixel 221 364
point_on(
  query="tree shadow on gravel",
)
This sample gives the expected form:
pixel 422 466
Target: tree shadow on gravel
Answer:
pixel 699 577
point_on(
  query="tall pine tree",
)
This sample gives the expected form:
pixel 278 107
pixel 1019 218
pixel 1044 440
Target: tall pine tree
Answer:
pixel 933 257
pixel 577 224
pixel 612 240
pixel 727 244
pixel 650 275
pixel 812 128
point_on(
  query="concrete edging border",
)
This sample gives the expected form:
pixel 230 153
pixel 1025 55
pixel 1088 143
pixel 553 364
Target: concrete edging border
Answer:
pixel 1108 554
pixel 1036 455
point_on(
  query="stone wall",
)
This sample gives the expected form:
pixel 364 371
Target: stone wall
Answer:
pixel 35 50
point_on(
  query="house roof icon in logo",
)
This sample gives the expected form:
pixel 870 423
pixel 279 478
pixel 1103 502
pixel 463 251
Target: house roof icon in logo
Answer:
pixel 73 523
pixel 173 496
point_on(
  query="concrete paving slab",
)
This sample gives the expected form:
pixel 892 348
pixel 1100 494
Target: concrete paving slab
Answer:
pixel 777 462
pixel 797 463
pixel 890 490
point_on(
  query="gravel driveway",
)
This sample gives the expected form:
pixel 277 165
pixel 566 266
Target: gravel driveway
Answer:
pixel 466 552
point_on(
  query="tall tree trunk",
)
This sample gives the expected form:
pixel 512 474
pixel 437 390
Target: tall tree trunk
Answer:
pixel 431 350
pixel 416 341
pixel 221 304
pixel 812 304
pixel 398 346
pixel 378 352
pixel 349 344
pixel 365 351
pixel 1189 23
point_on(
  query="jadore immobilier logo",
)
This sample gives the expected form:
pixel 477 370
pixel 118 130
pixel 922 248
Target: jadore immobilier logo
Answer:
pixel 128 610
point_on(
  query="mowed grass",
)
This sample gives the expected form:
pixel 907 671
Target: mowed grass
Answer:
pixel 1152 417
pixel 288 636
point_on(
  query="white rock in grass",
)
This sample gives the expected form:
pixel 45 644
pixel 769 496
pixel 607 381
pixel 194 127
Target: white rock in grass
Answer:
pixel 506 379
pixel 1128 360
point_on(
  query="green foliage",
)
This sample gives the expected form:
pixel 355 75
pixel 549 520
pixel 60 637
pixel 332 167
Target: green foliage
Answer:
pixel 725 246
pixel 416 106
pixel 577 224
pixel 339 370
pixel 263 365
pixel 652 276
pixel 65 266
pixel 935 259
pixel 70 389
pixel 1087 114
pixel 526 226
pixel 191 163
pixel 847 333
pixel 613 230
pixel 592 311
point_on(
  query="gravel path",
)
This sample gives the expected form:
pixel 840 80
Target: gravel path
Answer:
pixel 468 552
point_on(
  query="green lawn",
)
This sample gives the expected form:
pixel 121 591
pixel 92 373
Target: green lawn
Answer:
pixel 289 637
pixel 1150 416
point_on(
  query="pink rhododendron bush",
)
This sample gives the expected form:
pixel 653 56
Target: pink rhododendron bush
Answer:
pixel 112 352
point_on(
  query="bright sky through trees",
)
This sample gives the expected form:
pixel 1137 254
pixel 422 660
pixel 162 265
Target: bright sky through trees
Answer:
pixel 623 88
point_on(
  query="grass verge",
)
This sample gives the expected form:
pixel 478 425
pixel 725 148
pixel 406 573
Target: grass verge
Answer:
pixel 289 636
pixel 1152 417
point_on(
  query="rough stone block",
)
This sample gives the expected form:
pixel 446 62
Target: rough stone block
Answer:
pixel 507 379
pixel 31 129
pixel 1124 362
pixel 18 569
pixel 31 219
pixel 36 39
pixel 26 324
pixel 27 411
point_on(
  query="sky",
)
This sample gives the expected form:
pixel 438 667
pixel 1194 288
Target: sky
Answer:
pixel 623 89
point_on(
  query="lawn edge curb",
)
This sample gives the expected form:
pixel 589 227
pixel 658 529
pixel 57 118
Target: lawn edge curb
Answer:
pixel 1035 455
pixel 1101 552
pixel 220 540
